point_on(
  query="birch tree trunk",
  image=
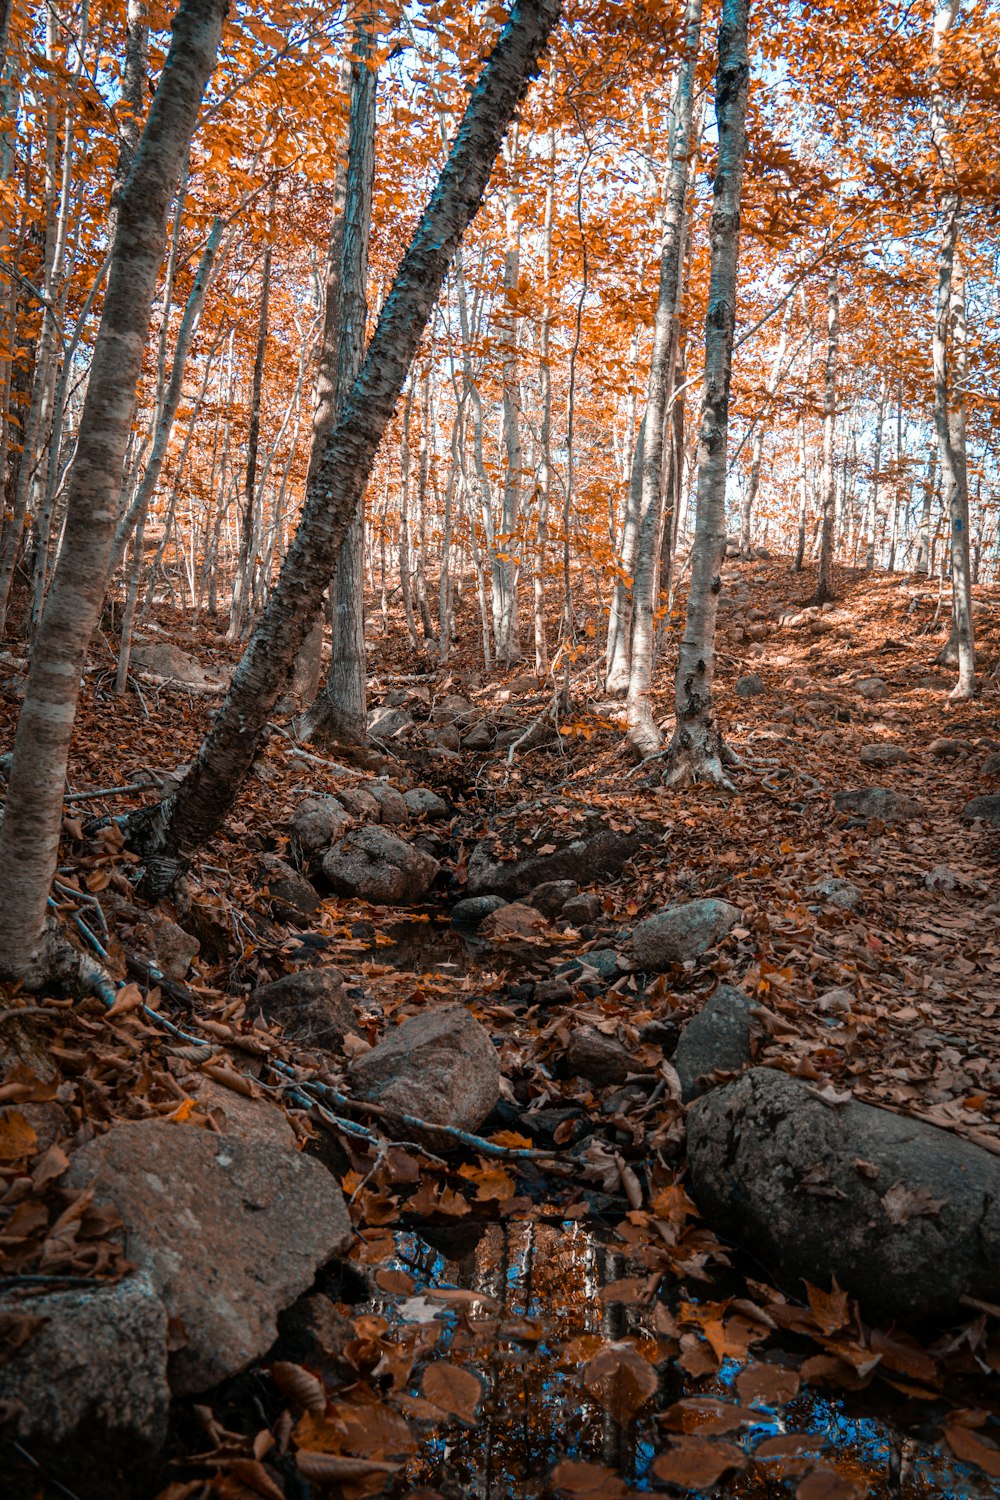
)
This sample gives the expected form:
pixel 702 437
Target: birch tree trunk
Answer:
pixel 643 734
pixel 757 450
pixel 696 749
pixel 29 837
pixel 239 610
pixel 172 832
pixel 339 714
pixel 824 581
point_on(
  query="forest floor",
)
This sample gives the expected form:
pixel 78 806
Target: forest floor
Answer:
pixel 529 1275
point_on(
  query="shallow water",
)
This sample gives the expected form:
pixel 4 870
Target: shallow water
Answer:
pixel 537 1412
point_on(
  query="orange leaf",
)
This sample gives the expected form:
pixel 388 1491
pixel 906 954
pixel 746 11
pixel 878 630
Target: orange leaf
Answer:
pixel 696 1463
pixel 17 1137
pixel 453 1389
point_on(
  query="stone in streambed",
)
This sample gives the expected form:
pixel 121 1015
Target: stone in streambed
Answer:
pixel 311 1007
pixel 680 933
pixel 718 1037
pixel 602 852
pixel 905 1215
pixel 598 1058
pixel 475 909
pixel 228 1232
pixel 374 865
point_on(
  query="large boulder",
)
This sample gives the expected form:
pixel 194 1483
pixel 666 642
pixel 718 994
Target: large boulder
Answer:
pixel 439 1066
pixel 883 755
pixel 88 1387
pixel 878 802
pixel 875 689
pixel 987 808
pixel 374 865
pixel 683 932
pixel 904 1215
pixel 315 824
pixel 168 664
pixel 228 1233
pixel 392 807
pixel 718 1037
pixel 311 1007
pixel 600 853
pixel 598 1058
pixel 423 803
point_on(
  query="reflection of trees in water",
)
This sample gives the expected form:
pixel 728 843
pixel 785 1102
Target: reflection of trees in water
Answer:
pixel 536 1410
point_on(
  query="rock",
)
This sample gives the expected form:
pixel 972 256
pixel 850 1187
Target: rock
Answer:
pixel 359 803
pixel 314 1333
pixel 749 686
pixel 479 737
pixel 906 1216
pixel 680 933
pixel 991 765
pixel 598 1058
pixel 718 1037
pixel 440 1066
pixel 474 909
pixel 940 879
pixel 249 1119
pixel 950 749
pixel 391 804
pixel 512 919
pixel 376 866
pixel 89 1387
pixel 25 1040
pixel 883 755
pixel 580 910
pixel 987 808
pixel 228 1232
pixel 385 723
pixel 423 803
pixel 601 853
pixel 837 892
pixel 311 1007
pixel 167 944
pixel 878 802
pixel 836 1002
pixel 874 689
pixel 449 738
pixel 291 895
pixel 450 707
pixel 606 963
pixel 551 896
pixel 315 824
pixel 167 663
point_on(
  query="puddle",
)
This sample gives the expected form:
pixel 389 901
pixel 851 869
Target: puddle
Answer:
pixel 536 1411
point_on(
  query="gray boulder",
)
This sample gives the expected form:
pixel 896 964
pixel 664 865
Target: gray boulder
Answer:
pixel 228 1233
pixel 479 737
pixel 749 686
pixel 374 865
pixel 385 723
pixel 586 907
pixel 718 1037
pixel 683 932
pixel 551 896
pixel 883 755
pixel 904 1215
pixel 439 1066
pixel 360 803
pixel 88 1386
pixel 874 689
pixel 991 765
pixel 836 892
pixel 474 909
pixel 391 803
pixel 602 852
pixel 291 895
pixel 311 1007
pixel 878 802
pixel 315 824
pixel 987 808
pixel 423 803
pixel 598 1058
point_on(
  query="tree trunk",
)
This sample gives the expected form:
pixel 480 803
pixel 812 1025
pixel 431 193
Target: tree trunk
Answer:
pixel 29 837
pixel 757 450
pixel 643 734
pixel 185 821
pixel 696 749
pixel 824 581
pixel 339 714
pixel 239 609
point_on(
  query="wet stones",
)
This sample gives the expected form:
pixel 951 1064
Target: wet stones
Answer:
pixel 374 865
pixel 602 852
pixel 311 1007
pixel 681 933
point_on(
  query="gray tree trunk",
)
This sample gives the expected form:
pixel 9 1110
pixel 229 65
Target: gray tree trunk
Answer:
pixel 696 749
pixel 29 837
pixel 824 581
pixel 184 822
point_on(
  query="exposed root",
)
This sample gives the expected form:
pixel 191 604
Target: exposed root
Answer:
pixel 61 965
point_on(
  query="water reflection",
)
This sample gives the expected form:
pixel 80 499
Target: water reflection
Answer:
pixel 548 1276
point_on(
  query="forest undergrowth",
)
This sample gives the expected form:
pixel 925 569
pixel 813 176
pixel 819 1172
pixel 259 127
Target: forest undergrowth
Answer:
pixel 916 952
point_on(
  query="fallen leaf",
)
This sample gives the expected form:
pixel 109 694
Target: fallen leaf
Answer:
pixel 620 1380
pixel 587 1481
pixel 452 1389
pixel 17 1137
pixel 771 1385
pixel 696 1463
pixel 827 1484
pixel 902 1203
pixel 973 1449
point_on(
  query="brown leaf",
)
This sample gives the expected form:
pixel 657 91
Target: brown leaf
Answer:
pixel 129 998
pixel 790 1445
pixel 299 1385
pixel 620 1380
pixel 17 1137
pixel 336 1468
pixel 827 1484
pixel 973 1449
pixel 902 1203
pixel 395 1282
pixel 587 1481
pixel 696 1463
pixel 254 1475
pixel 829 1309
pixel 771 1385
pixel 706 1414
pixel 453 1389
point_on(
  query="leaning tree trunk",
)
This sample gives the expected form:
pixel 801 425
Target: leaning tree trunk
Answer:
pixel 696 749
pixel 172 832
pixel 29 838
pixel 339 714
pixel 824 582
pixel 643 734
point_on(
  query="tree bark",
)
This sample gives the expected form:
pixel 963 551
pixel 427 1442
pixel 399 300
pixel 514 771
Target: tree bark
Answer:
pixel 185 821
pixel 824 581
pixel 696 749
pixel 643 734
pixel 29 837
